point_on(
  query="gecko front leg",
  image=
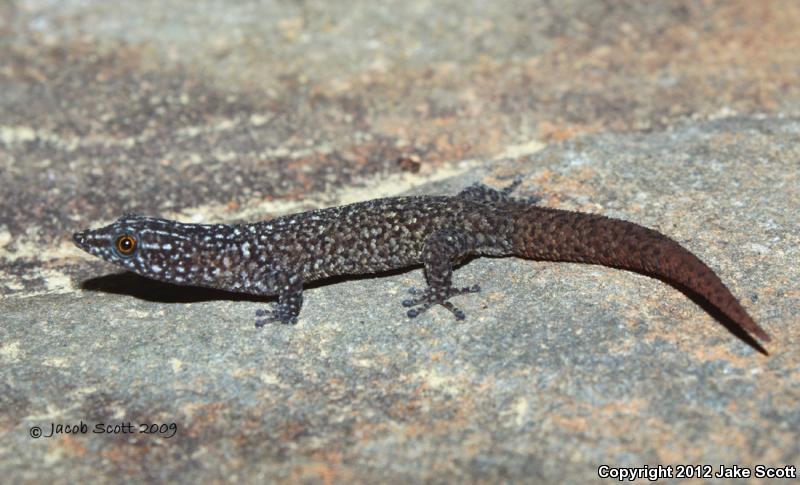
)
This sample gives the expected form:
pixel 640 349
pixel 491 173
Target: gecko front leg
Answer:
pixel 441 251
pixel 289 288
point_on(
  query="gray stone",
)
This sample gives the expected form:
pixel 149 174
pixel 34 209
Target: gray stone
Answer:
pixel 681 118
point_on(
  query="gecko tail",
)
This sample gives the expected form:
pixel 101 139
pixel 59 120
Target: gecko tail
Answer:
pixel 559 235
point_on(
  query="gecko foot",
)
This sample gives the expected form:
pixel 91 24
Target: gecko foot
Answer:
pixel 531 199
pixel 429 297
pixel 274 316
pixel 514 184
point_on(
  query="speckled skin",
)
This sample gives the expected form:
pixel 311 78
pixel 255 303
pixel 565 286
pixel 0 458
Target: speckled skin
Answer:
pixel 278 256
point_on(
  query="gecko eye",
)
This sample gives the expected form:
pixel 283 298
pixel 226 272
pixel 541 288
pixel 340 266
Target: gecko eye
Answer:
pixel 126 244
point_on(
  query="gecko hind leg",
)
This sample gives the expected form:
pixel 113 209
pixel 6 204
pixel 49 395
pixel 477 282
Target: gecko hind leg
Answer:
pixel 483 193
pixel 442 250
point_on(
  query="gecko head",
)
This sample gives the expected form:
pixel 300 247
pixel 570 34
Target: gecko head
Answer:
pixel 145 245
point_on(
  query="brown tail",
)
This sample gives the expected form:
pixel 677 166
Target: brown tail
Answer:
pixel 558 235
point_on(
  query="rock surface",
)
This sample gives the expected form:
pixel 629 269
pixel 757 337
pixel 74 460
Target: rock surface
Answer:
pixel 681 116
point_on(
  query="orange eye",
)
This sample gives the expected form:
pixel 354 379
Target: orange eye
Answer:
pixel 126 245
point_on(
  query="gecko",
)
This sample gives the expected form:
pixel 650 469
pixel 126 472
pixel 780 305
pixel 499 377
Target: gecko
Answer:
pixel 277 257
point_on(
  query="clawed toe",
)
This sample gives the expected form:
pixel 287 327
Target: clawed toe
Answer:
pixel 273 316
pixel 415 312
pixel 429 297
pixel 514 184
pixel 261 322
pixel 457 312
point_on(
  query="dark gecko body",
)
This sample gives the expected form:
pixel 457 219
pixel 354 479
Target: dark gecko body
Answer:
pixel 278 256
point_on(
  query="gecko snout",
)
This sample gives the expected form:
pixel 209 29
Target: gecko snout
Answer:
pixel 83 240
pixel 79 238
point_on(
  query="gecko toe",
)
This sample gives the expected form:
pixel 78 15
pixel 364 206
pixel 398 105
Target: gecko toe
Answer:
pixel 272 318
pixel 415 312
pixel 457 312
pixel 427 298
